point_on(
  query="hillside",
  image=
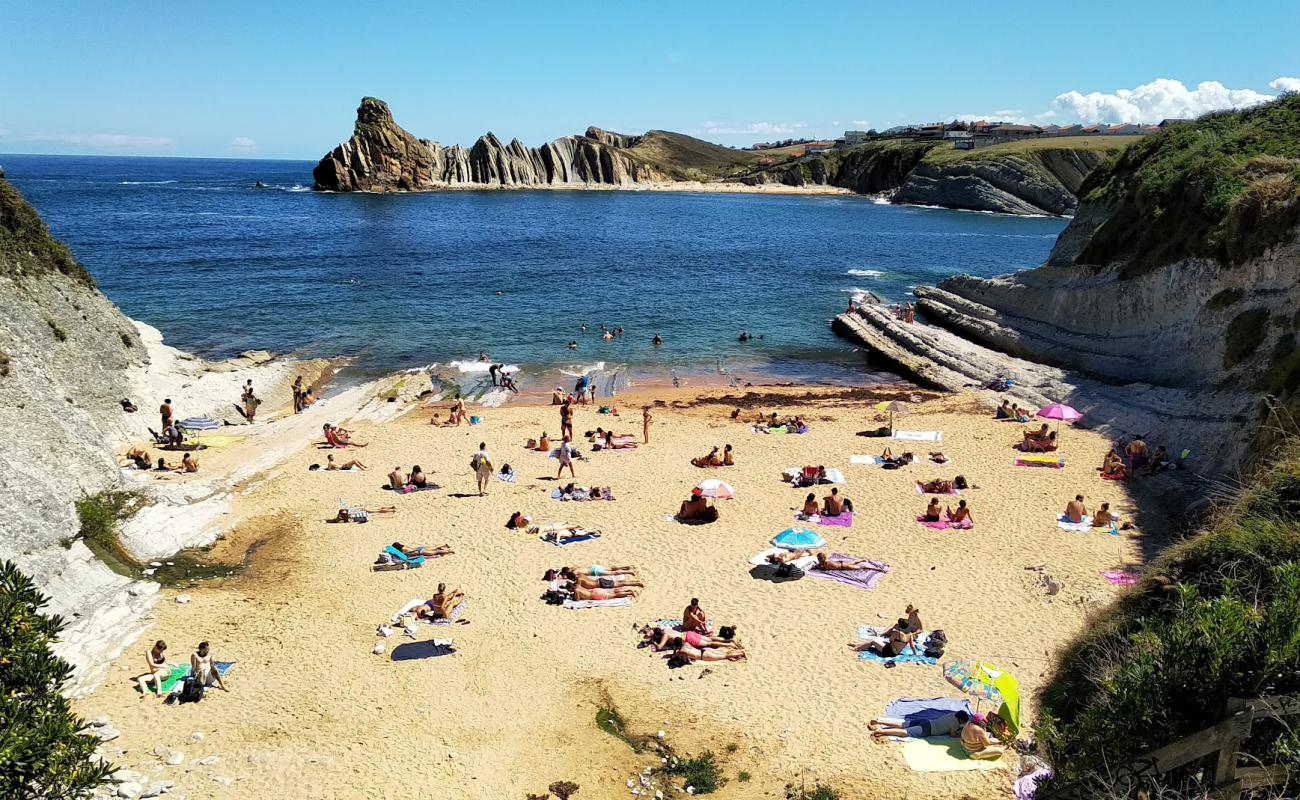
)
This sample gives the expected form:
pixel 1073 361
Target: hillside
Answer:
pixel 686 158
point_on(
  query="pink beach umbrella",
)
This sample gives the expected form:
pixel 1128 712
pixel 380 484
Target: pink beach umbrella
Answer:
pixel 1060 413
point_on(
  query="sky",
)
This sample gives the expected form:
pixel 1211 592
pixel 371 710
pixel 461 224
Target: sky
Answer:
pixel 283 79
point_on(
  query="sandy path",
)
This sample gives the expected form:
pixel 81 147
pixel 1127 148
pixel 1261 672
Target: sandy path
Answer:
pixel 314 713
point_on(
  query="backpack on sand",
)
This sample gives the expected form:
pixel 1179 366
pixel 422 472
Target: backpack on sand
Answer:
pixel 191 690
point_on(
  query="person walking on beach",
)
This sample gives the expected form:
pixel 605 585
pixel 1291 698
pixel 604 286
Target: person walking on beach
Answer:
pixel 297 395
pixel 481 463
pixel 646 419
pixel 250 401
pixel 566 420
pixel 566 460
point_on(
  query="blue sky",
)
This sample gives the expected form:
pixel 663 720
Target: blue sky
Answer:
pixel 282 80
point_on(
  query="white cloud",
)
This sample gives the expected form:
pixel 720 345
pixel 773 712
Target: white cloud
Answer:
pixel 862 123
pixel 1154 101
pixel 101 140
pixel 753 128
pixel 243 143
pixel 1285 84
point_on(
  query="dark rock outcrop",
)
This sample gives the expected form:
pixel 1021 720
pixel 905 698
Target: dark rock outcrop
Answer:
pixel 382 157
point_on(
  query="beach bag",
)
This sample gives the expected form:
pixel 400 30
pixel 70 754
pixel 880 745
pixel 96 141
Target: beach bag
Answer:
pixel 960 482
pixel 191 690
pixel 554 598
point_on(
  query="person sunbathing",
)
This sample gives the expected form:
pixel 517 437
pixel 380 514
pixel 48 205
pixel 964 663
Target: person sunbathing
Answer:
pixel 188 464
pixel 728 460
pixel 423 550
pixel 1018 413
pixel 938 457
pixel 603 582
pixel 889 461
pixel 396 478
pixel 338 437
pixel 912 618
pixel 786 556
pixel 979 743
pixel 558 534
pixel 937 486
pixel 1004 411
pixel 596 570
pixel 518 521
pixel 1103 518
pixel 715 652
pixel 1112 466
pixel 697 509
pixel 711 460
pixel 918 728
pixel 932 512
pixel 833 505
pixel 1041 433
pixel 543 443
pixel 961 516
pixel 584 593
pixel 1075 510
pixel 810 507
pixel 360 514
pixel 331 466
pixel 825 564
pixel 896 640
pixel 621 442
pixel 661 637
pixel 417 478
pixel 139 457
pixel 1039 445
pixel 441 605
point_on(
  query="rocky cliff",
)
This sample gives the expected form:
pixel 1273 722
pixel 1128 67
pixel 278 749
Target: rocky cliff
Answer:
pixel 65 352
pixel 1032 177
pixel 1180 272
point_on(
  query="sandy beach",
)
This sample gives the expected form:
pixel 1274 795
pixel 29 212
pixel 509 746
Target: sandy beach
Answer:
pixel 313 712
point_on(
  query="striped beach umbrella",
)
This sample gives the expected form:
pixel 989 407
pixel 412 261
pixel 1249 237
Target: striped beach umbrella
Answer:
pixel 987 682
pixel 197 425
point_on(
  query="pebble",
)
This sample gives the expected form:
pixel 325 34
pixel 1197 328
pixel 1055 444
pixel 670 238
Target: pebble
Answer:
pixel 148 572
pixel 106 733
pixel 197 736
pixel 223 780
pixel 452 755
pixel 378 648
pixel 259 758
pixel 661 734
pixel 183 598
pixel 130 790
pixel 155 563
pixel 207 761
pixel 127 776
pixel 157 788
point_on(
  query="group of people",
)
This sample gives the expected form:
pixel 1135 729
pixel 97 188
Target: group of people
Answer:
pixel 1137 459
pixel 302 396
pixel 958 517
pixel 795 424
pixel 716 459
pixel 832 505
pixel 158 670
pixel 697 508
pixel 1076 511
pixel 336 436
pixel 900 636
pixel 499 376
pixel 1040 440
pixel 400 481
pixel 592 583
pixel 1012 412
pixel 694 640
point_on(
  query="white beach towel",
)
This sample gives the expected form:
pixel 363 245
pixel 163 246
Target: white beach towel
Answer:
pixel 833 475
pixel 918 436
pixel 617 602
pixel 862 459
pixel 805 563
pixel 1081 527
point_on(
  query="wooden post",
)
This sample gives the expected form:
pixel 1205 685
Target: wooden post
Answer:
pixel 1226 785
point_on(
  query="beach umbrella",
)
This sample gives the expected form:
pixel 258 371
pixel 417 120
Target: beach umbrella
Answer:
pixel 798 539
pixel 984 681
pixel 893 407
pixel 1060 413
pixel 197 425
pixel 718 490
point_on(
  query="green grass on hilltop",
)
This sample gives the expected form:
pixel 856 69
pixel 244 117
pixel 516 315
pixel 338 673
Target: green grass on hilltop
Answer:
pixel 687 158
pixel 945 154
pixel 1214 617
pixel 26 248
pixel 1223 187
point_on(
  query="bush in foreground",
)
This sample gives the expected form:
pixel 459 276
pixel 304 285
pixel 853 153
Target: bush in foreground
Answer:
pixel 42 755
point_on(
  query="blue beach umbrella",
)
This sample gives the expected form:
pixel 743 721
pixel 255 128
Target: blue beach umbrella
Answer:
pixel 798 539
pixel 197 425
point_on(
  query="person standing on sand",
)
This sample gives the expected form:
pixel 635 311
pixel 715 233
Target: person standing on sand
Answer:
pixel 566 460
pixel 165 412
pixel 297 395
pixel 250 401
pixel 566 420
pixel 458 414
pixel 909 314
pixel 481 463
pixel 646 419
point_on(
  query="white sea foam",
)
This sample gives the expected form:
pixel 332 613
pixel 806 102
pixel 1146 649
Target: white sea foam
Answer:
pixel 143 183
pixel 479 366
pixel 865 273
pixel 578 370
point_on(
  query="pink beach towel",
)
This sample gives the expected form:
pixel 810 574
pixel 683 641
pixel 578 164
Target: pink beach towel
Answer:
pixel 1119 577
pixel 865 578
pixel 843 520
pixel 943 524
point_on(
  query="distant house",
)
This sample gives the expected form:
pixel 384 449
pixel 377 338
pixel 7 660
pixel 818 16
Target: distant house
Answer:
pixel 1125 129
pixel 854 137
pixel 958 135
pixel 1165 123
pixel 1070 130
pixel 1011 133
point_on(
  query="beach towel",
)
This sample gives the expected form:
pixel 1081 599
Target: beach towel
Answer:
pixel 1109 477
pixel 865 460
pixel 180 672
pixel 1055 462
pixel 842 520
pixel 781 429
pixel 915 709
pixel 917 436
pixel 617 602
pixel 1026 786
pixel 943 754
pixel 793 474
pixel 580 536
pixel 1063 522
pixel 673 518
pixel 944 525
pixel 804 563
pixel 505 477
pixel 1118 577
pixel 953 493
pixel 393 559
pixel 415 651
pixel 580 496
pixel 430 487
pixel 867 633
pixel 865 578
pixel 414 603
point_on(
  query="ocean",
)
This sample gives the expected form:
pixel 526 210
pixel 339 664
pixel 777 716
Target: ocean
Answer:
pixel 431 280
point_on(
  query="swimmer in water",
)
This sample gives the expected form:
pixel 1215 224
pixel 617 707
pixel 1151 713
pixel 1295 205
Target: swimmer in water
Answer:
pixel 658 341
pixel 482 356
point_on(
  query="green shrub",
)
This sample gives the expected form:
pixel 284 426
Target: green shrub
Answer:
pixel 99 515
pixel 742 777
pixel 42 755
pixel 818 792
pixel 1213 618
pixel 59 333
pixel 701 772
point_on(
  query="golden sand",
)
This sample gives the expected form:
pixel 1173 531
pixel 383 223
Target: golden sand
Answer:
pixel 313 713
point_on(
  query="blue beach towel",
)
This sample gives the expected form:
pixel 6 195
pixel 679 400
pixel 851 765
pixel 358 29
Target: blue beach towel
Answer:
pixel 866 633
pixel 586 537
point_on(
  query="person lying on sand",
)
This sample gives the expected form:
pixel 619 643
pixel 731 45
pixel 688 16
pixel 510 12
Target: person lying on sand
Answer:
pixel 697 508
pixel 833 504
pixel 825 564
pixel 916 728
pixel 623 441
pixel 440 605
pixel 711 460
pixel 786 556
pixel 665 638
pixel 331 466
pixel 518 521
pixel 602 582
pixel 1075 510
pixel 961 516
pixel 889 461
pixel 557 534
pixel 897 639
pixel 423 550
pixel 584 593
pixel 936 486
pixel 932 512
pixel 360 514
pixel 1103 518
pixel 596 570
pixel 938 457
pixel 979 743
pixel 687 654
pixel 693 618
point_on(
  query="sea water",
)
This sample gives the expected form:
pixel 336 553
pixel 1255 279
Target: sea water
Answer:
pixel 407 281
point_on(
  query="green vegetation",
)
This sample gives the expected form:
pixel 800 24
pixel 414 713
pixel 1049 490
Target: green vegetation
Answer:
pixel 59 333
pixel 42 755
pixel 818 792
pixel 742 777
pixel 946 154
pixel 686 158
pixel 1223 187
pixel 1215 617
pixel 99 516
pixel 26 248
pixel 701 772
pixel 1243 336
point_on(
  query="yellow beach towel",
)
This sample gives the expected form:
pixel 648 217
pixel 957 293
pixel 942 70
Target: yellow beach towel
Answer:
pixel 943 754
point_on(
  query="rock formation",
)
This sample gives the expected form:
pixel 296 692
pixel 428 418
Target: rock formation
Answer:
pixel 382 157
pixel 1172 295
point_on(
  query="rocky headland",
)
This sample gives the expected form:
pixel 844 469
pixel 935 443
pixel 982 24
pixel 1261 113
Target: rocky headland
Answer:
pixel 1031 177
pixel 1167 307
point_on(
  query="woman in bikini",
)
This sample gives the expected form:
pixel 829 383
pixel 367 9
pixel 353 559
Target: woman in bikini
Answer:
pixel 711 460
pixel 427 552
pixel 728 460
pixel 158 672
pixel 810 507
pixel 716 652
pixel 937 486
pixel 827 565
pixel 583 593
pixel 665 638
pixel 961 516
pixel 932 512
pixel 417 478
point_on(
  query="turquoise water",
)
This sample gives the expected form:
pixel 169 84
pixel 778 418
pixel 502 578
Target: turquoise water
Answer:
pixel 406 281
